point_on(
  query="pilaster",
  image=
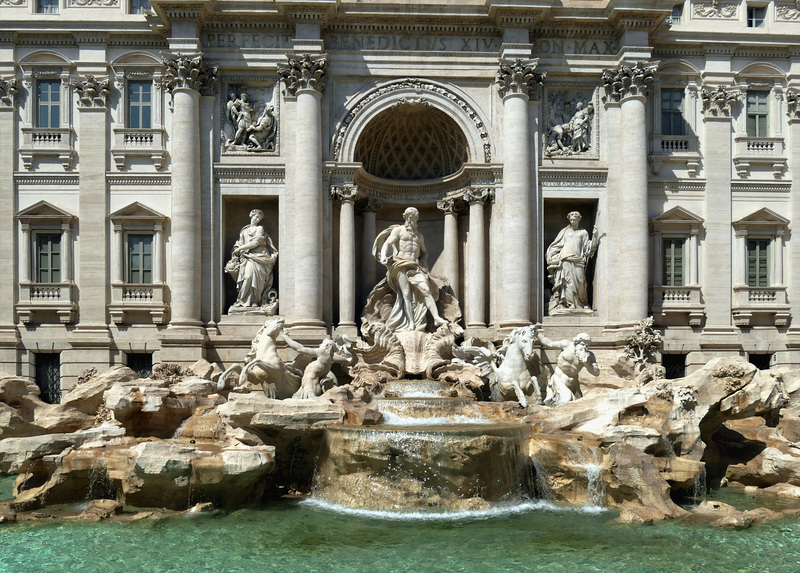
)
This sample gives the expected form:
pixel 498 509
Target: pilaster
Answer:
pixel 9 336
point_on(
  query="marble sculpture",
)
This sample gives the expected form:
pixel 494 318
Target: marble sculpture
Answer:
pixel 567 257
pixel 252 260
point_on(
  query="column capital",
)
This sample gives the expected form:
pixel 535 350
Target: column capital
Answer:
pixel 369 205
pixel 8 92
pixel 92 91
pixel 519 77
pixel 717 102
pixel 305 74
pixel 344 193
pixel 449 206
pixel 188 71
pixel 474 195
pixel 629 80
pixel 793 104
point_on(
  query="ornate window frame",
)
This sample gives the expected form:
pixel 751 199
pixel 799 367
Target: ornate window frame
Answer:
pixel 38 299
pixel 129 299
pixel 685 300
pixel 143 142
pixel 751 300
pixel 682 150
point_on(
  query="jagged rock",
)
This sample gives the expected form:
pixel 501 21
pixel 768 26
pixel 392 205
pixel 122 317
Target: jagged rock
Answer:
pixel 88 397
pixel 721 515
pixel 21 394
pixel 100 509
pixel 636 515
pixel 361 415
pixel 12 425
pixel 206 370
pixel 591 414
pixel 339 394
pixel 60 418
pixel 569 466
pixel 257 411
pixel 204 507
pixel 18 454
pixel 7 516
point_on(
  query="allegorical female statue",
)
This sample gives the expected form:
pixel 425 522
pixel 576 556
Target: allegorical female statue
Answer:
pixel 252 260
pixel 567 257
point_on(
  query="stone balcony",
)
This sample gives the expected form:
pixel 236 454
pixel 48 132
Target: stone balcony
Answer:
pixel 680 149
pixel 128 300
pixel 678 300
pixel 36 299
pixel 43 142
pixel 749 301
pixel 148 143
pixel 769 151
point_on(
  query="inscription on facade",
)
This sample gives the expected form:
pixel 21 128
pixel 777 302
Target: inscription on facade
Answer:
pixel 575 46
pixel 247 40
pixel 416 43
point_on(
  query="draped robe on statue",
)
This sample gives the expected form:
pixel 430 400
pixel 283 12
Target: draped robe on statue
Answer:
pixel 566 261
pixel 254 273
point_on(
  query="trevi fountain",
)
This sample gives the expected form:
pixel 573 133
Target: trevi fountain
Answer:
pixel 408 446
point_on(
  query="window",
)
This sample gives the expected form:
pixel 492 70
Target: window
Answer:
pixel 141 363
pixel 47 6
pixel 672 122
pixel 757 114
pixel 677 13
pixel 760 361
pixel 674 365
pixel 673 262
pixel 140 259
pixel 756 16
pixel 757 262
pixel 139 6
pixel 48 258
pixel 140 105
pixel 48 100
pixel 48 377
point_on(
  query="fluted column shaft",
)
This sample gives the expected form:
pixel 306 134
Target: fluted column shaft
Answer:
pixel 475 282
pixel 347 255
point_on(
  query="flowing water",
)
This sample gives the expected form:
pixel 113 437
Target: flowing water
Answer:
pixel 292 537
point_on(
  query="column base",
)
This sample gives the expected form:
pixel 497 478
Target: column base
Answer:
pixel 349 329
pixel 308 330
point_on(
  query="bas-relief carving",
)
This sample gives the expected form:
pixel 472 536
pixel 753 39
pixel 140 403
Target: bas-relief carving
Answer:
pixel 13 2
pixel 251 122
pixel 793 104
pixel 717 102
pixel 788 11
pixel 100 3
pixel 570 123
pixel 567 257
pixel 251 263
pixel 8 92
pixel 715 9
pixel 92 91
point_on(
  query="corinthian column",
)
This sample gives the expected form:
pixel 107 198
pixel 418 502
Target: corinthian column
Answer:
pixel 450 249
pixel 475 286
pixel 305 78
pixel 630 85
pixel 185 77
pixel 517 83
pixel 346 195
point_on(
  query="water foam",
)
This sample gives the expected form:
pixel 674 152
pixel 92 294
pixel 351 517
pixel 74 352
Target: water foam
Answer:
pixel 391 419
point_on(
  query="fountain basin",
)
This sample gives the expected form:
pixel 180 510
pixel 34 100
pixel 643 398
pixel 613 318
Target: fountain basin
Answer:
pixel 423 407
pixel 418 388
pixel 453 467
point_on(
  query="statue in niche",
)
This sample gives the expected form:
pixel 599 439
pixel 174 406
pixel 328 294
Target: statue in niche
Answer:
pixel 570 133
pixel 563 385
pixel 567 257
pixel 252 260
pixel 245 128
pixel 401 249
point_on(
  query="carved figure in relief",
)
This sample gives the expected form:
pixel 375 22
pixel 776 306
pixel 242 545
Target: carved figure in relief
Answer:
pixel 243 130
pixel 317 374
pixel 580 127
pixel 401 248
pixel 567 257
pixel 563 385
pixel 252 260
pixel 241 114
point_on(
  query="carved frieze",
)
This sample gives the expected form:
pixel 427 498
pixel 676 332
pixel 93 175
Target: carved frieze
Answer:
pixel 92 91
pixel 629 80
pixel 190 72
pixel 519 77
pixel 13 2
pixel 788 11
pixel 250 123
pixel 93 3
pixel 8 92
pixel 344 193
pixel 569 123
pixel 305 73
pixel 715 9
pixel 718 102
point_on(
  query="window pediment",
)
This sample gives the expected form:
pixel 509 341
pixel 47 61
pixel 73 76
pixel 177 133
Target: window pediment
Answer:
pixel 763 219
pixel 44 212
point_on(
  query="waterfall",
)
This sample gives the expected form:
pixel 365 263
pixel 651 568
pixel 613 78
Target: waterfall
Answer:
pixel 543 489
pixel 99 484
pixel 699 486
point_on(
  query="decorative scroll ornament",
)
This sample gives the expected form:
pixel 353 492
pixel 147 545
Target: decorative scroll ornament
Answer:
pixel 519 77
pixel 344 193
pixel 8 92
pixel 788 11
pixel 304 74
pixel 449 205
pixel 793 103
pixel 92 91
pixel 718 102
pixel 12 2
pixel 479 195
pixel 715 9
pixel 93 2
pixel 190 72
pixel 628 81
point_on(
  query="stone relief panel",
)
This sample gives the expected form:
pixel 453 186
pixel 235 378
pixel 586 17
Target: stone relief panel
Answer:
pixel 250 118
pixel 716 9
pixel 787 11
pixel 570 122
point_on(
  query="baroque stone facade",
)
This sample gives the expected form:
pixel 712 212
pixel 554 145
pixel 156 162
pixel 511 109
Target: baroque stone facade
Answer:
pixel 133 156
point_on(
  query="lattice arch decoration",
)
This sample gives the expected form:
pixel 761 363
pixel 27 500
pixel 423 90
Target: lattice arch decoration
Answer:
pixel 377 115
pixel 412 142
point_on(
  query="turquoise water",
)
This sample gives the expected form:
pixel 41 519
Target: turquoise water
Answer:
pixel 292 536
